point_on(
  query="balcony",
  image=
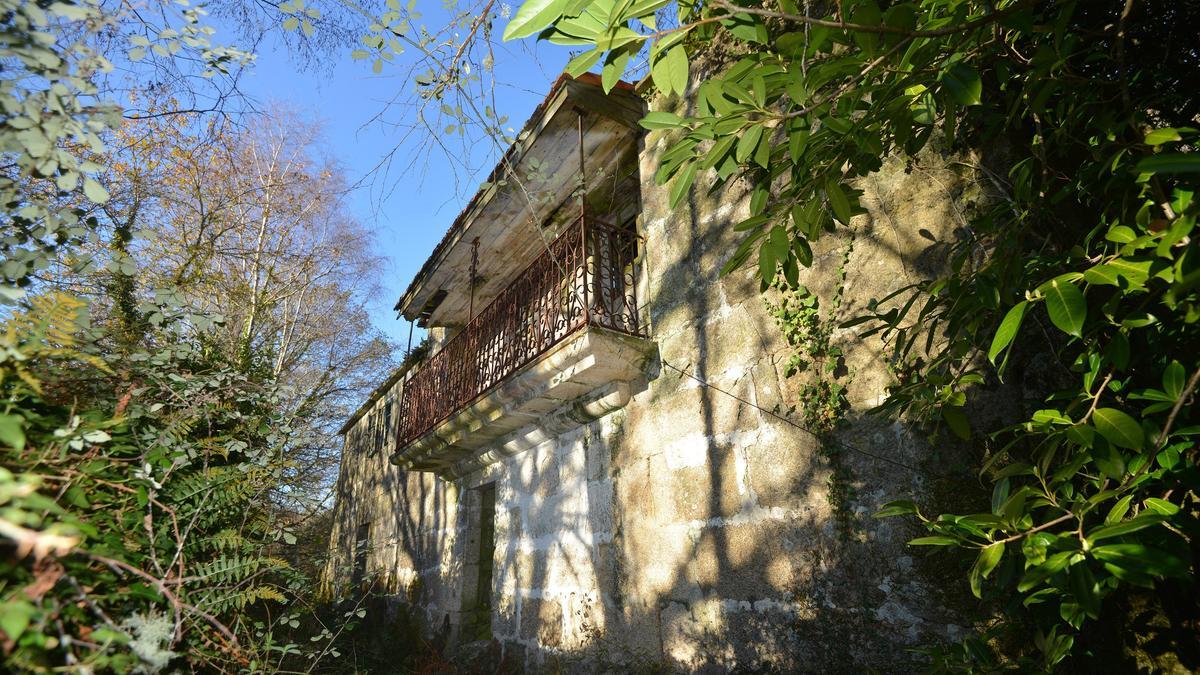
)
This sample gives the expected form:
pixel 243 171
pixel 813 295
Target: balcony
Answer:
pixel 564 336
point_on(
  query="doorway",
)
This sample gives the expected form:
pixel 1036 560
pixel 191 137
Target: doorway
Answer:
pixel 477 577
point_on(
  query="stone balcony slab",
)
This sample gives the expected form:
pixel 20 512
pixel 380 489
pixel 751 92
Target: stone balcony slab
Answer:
pixel 585 376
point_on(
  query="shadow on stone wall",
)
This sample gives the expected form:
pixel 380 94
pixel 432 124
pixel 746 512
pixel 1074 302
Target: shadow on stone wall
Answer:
pixel 706 537
pixel 730 558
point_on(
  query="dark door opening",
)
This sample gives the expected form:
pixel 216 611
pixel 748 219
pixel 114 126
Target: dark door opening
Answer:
pixel 362 540
pixel 478 581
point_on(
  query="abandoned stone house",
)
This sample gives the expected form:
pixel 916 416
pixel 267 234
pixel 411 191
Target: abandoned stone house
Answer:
pixel 594 463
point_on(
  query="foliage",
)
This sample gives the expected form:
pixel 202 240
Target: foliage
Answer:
pixel 250 225
pixel 822 393
pixel 114 468
pixel 47 130
pixel 1086 260
pixel 153 453
pixel 798 316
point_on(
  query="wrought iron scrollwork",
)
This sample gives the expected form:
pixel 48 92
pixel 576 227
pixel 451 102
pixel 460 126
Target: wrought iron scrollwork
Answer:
pixel 587 275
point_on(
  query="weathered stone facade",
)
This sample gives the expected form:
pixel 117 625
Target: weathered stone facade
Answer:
pixel 694 528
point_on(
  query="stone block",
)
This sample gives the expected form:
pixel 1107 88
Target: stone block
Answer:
pixel 597 456
pixel 514 660
pixel 606 570
pixel 508 524
pixel 600 506
pixel 659 553
pixel 541 621
pixel 572 467
pixel 528 570
pixel 584 621
pixel 641 494
pixel 784 469
pixel 547 479
pixel 747 561
pixel 688 409
pixel 549 516
pixel 710 491
pixel 504 617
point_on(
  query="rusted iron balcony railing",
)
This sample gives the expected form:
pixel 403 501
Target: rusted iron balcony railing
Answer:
pixel 586 276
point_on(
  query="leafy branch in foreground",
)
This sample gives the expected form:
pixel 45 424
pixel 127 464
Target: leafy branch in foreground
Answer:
pixel 1084 260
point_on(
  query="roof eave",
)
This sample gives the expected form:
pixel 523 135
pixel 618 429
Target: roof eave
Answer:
pixel 513 153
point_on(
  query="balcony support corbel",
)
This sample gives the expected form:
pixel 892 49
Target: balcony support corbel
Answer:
pixel 609 399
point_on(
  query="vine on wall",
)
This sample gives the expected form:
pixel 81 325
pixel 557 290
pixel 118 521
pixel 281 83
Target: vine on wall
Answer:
pixel 822 401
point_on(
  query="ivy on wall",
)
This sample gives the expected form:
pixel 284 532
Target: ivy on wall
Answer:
pixel 821 396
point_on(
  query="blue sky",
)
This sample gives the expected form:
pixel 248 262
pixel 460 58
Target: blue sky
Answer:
pixel 408 214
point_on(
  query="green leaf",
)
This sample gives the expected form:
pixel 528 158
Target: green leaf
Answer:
pixel 676 64
pixel 533 16
pixel 1085 589
pixel 758 199
pixel 35 142
pixel 1050 416
pixel 838 201
pixel 746 27
pixel 802 250
pixel 1109 460
pixel 766 262
pixel 1122 234
pixel 12 432
pixel 741 254
pixel 683 183
pixel 1140 522
pixel 1172 380
pixel 718 151
pixel 614 69
pixel 1053 565
pixel 924 110
pixel 957 421
pixel 748 142
pixel 900 507
pixel 988 558
pixel 1118 428
pixel 1007 330
pixel 584 62
pixel 95 191
pixel 15 616
pixel 661 120
pixel 933 541
pixel 1118 510
pixel 762 155
pixel 1170 162
pixel 1067 307
pixel 963 83
pixel 291 23
pixel 1161 506
pixel 837 124
pixel 1164 135
pixel 1142 559
pixel 778 240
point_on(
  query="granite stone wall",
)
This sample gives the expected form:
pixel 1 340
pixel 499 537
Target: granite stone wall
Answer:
pixel 699 527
